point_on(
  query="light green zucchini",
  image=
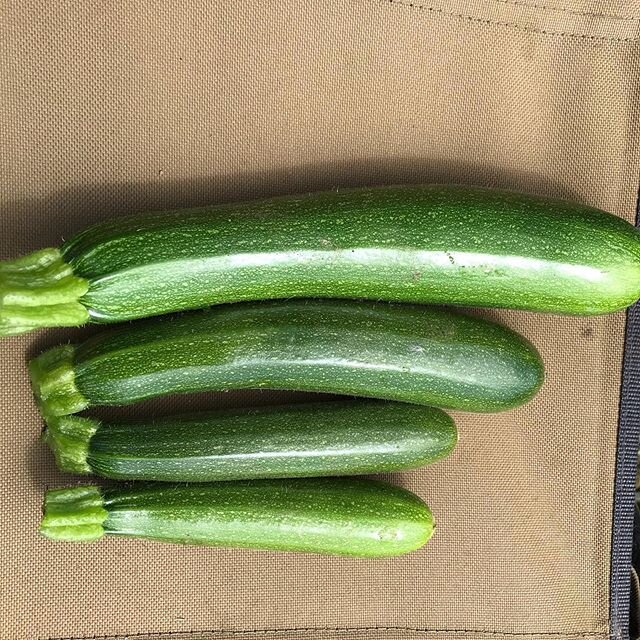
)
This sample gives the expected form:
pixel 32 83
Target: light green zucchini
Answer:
pixel 337 516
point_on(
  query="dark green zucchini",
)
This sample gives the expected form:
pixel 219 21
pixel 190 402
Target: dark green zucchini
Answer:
pixel 344 437
pixel 338 516
pixel 395 352
pixel 427 244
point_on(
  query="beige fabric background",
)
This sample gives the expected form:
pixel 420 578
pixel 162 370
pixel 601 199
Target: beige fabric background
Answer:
pixel 108 108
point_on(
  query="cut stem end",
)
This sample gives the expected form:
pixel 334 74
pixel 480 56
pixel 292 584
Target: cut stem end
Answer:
pixel 40 290
pixel 73 515
pixel 69 438
pixel 53 382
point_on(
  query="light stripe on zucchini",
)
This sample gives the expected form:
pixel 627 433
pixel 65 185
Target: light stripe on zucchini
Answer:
pixel 427 244
pixel 396 352
pixel 337 516
pixel 343 437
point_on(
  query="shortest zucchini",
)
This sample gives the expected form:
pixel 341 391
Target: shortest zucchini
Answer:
pixel 344 437
pixel 336 516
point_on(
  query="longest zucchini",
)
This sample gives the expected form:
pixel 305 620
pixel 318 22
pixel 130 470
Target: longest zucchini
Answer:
pixel 353 517
pixel 318 439
pixel 396 352
pixel 436 244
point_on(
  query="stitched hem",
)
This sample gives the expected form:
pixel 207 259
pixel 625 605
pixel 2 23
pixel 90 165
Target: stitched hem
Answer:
pixel 341 631
pixel 511 25
pixel 573 12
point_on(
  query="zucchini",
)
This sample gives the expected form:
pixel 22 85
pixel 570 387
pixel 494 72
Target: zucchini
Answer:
pixel 395 352
pixel 427 244
pixel 338 516
pixel 343 437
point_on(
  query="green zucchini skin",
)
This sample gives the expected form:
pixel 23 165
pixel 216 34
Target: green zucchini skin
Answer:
pixel 426 244
pixel 337 516
pixel 433 244
pixel 344 437
pixel 407 353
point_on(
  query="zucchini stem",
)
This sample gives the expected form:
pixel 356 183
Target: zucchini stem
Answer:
pixel 40 290
pixel 74 515
pixel 53 382
pixel 69 438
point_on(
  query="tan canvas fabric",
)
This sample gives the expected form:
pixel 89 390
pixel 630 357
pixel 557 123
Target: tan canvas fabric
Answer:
pixel 108 108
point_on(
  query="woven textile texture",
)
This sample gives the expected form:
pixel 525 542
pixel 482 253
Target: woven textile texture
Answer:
pixel 109 108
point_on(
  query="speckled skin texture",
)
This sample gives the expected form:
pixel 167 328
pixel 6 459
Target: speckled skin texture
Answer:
pixel 438 244
pixel 392 351
pixel 342 516
pixel 319 439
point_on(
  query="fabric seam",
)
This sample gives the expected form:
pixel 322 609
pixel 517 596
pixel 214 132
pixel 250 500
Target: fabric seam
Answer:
pixel 573 12
pixel 273 632
pixel 512 25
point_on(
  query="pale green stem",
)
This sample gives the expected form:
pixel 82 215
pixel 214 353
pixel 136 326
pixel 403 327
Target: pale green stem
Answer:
pixel 73 515
pixel 69 438
pixel 54 384
pixel 40 290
